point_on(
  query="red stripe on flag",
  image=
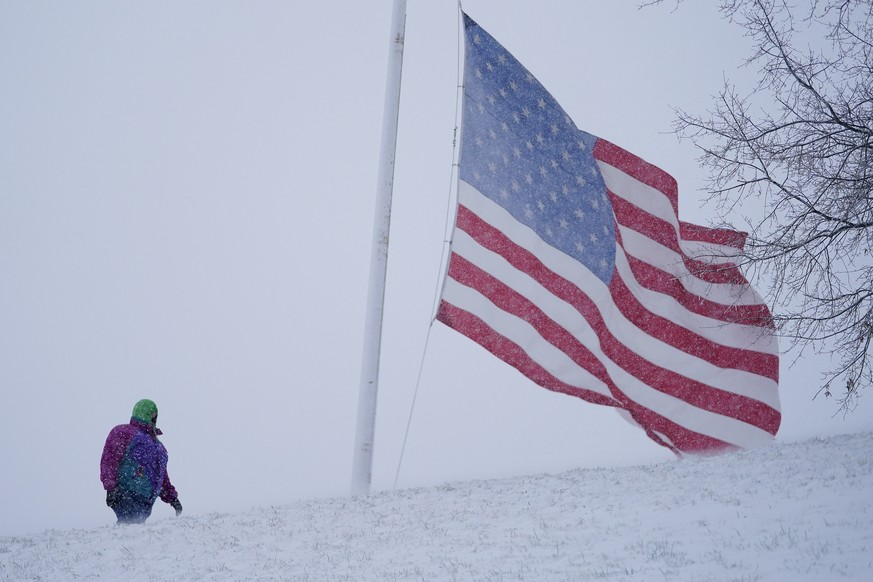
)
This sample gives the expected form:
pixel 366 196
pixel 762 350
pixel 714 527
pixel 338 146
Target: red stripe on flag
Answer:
pixel 655 279
pixel 633 217
pixel 719 236
pixel 700 395
pixel 766 365
pixel 683 440
pixel 481 333
pixel 639 169
pixel 508 351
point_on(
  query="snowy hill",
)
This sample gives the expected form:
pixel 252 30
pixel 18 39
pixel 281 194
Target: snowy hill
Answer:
pixel 792 511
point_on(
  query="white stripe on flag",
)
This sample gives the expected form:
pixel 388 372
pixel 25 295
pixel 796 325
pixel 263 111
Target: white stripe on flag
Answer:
pixel 651 349
pixel 708 423
pixel 553 360
pixel 735 335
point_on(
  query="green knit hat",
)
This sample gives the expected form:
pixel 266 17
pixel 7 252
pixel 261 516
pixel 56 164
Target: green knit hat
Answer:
pixel 146 411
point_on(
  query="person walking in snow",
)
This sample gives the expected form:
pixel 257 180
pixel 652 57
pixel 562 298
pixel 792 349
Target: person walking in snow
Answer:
pixel 133 467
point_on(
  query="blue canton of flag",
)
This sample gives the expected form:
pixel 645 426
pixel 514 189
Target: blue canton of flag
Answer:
pixel 521 150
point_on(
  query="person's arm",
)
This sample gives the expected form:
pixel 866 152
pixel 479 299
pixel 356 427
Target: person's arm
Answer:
pixel 168 492
pixel 169 495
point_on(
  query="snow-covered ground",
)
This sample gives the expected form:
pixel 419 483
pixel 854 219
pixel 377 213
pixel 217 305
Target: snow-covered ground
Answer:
pixel 792 511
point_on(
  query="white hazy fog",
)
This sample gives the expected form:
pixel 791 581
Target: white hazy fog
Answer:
pixel 186 201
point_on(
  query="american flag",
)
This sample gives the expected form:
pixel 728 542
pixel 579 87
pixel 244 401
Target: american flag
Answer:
pixel 569 262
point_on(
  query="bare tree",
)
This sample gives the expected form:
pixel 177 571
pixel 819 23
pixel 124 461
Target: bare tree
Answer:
pixel 802 142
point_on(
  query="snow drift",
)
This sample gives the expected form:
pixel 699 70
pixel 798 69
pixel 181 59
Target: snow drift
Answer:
pixel 791 511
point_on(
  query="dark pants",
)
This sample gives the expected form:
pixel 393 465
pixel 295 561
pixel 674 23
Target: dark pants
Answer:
pixel 132 508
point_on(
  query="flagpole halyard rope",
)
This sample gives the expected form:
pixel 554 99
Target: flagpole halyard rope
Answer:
pixel 412 406
pixel 444 258
pixel 453 180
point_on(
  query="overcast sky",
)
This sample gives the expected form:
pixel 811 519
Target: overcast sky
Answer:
pixel 186 201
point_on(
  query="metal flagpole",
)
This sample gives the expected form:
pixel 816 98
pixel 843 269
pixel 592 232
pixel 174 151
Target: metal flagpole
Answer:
pixel 362 466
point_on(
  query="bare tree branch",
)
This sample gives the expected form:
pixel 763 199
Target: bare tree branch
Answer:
pixel 802 143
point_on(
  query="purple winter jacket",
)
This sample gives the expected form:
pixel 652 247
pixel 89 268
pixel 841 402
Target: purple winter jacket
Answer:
pixel 135 461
